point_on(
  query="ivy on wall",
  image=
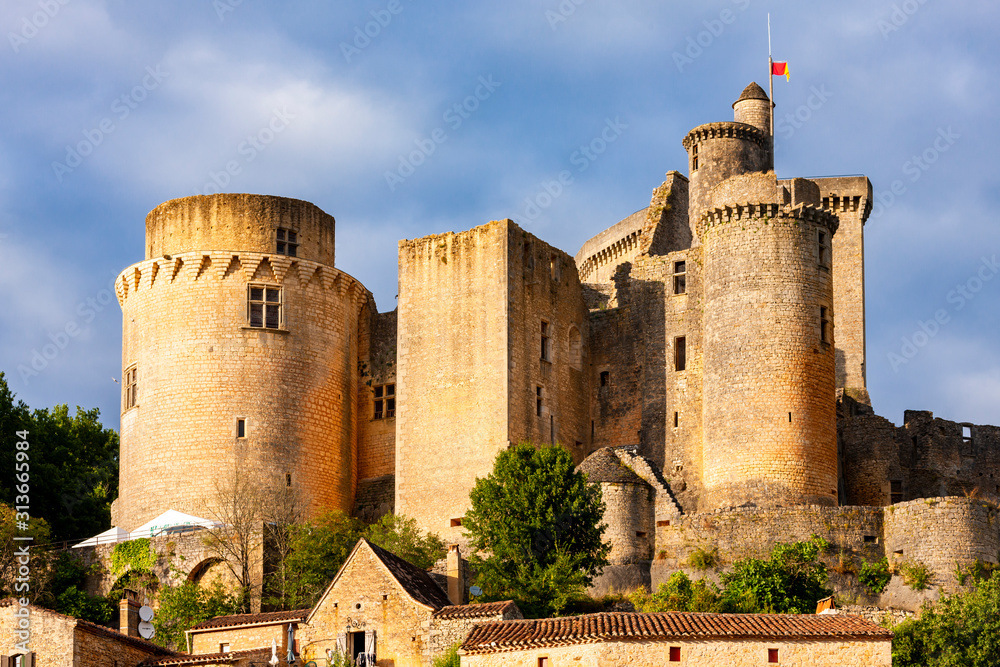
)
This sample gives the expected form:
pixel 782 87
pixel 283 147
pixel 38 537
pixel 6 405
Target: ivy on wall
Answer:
pixel 134 555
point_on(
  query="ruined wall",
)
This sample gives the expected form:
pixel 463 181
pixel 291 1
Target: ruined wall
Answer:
pixel 201 367
pixel 943 534
pixel 545 301
pixel 769 414
pixel 452 371
pixel 376 371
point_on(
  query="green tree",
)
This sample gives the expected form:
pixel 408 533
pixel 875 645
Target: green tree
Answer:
pixel 535 529
pixel 962 629
pixel 184 606
pixel 400 535
pixel 40 579
pixel 73 465
pixel 318 549
pixel 68 593
pixel 790 581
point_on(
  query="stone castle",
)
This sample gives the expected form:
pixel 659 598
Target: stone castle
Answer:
pixel 703 360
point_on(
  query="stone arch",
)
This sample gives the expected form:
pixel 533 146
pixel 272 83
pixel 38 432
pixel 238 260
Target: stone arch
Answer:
pixel 209 570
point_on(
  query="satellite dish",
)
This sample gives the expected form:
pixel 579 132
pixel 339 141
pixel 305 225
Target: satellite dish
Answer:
pixel 146 613
pixel 476 591
pixel 146 630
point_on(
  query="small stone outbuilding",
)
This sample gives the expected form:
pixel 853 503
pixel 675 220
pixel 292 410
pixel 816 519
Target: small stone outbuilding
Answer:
pixel 651 640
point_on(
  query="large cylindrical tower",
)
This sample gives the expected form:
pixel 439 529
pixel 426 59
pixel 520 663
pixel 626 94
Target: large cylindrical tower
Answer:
pixel 769 415
pixel 239 348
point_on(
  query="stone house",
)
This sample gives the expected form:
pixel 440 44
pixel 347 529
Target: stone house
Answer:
pixel 651 640
pixel 57 640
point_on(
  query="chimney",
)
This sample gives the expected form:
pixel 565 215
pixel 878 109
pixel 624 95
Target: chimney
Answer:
pixel 456 576
pixel 128 613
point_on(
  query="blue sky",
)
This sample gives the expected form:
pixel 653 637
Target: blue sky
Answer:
pixel 110 108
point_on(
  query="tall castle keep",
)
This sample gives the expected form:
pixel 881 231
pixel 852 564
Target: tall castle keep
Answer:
pixel 703 359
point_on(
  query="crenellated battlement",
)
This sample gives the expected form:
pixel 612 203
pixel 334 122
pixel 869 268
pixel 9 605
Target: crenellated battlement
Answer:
pixel 766 211
pixel 200 266
pixel 726 130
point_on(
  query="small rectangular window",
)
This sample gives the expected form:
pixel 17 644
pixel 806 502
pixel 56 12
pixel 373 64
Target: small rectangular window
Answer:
pixel 241 428
pixel 677 419
pixel 288 479
pixel 824 324
pixel 264 306
pixel 554 267
pixel 130 387
pixel 823 249
pixel 680 353
pixel 895 491
pixel 288 242
pixel 546 342
pixel 870 539
pixel 772 655
pixel 543 662
pixel 538 401
pixel 605 378
pixel 385 401
pixel 675 654
pixel 455 523
pixel 694 157
pixel 224 647
pixel 680 277
pixel 663 524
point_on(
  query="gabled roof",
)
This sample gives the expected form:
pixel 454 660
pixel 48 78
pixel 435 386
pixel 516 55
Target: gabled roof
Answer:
pixel 481 610
pixel 604 466
pixel 416 583
pixel 252 619
pixel 499 636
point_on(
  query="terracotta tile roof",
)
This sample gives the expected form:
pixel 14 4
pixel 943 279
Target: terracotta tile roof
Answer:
pixel 604 466
pixel 498 636
pixel 257 654
pixel 475 610
pixel 253 619
pixel 417 582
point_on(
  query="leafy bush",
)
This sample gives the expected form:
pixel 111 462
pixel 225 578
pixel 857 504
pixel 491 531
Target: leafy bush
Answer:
pixel 915 575
pixel 703 559
pixel 400 535
pixel 875 576
pixel 790 581
pixel 678 593
pixel 448 659
pixel 960 629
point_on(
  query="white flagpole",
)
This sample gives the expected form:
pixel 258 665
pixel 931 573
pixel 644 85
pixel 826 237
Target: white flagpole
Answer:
pixel 770 75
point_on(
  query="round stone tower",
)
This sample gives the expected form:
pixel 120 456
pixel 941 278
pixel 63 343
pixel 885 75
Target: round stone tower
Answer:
pixel 769 417
pixel 717 151
pixel 239 349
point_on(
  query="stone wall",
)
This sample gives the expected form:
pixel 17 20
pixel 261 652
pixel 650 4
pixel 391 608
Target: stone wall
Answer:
pixel 377 368
pixel 751 532
pixel 240 638
pixel 447 632
pixel 53 638
pixel 732 653
pixel 942 533
pixel 200 368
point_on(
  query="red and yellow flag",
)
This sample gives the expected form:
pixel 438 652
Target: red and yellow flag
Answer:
pixel 777 69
